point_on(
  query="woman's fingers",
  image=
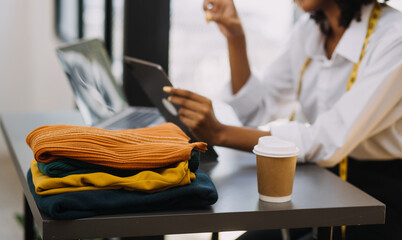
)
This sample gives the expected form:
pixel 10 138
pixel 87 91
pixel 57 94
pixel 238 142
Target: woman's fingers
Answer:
pixel 186 94
pixel 188 113
pixel 214 9
pixel 192 105
pixel 189 100
pixel 190 123
pixel 212 5
pixel 196 113
pixel 206 4
pixel 191 118
pixel 185 102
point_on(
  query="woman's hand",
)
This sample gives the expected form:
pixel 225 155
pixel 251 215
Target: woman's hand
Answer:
pixel 224 13
pixel 197 114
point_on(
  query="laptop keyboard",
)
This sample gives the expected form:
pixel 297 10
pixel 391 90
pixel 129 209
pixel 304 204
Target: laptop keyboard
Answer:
pixel 137 120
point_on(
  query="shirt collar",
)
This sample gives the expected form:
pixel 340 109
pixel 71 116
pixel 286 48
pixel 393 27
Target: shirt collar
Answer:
pixel 315 43
pixel 351 43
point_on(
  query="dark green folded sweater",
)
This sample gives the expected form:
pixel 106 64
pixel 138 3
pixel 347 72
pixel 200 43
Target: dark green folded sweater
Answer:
pixel 67 166
pixel 199 194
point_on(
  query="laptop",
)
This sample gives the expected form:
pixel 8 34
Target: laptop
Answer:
pixel 99 99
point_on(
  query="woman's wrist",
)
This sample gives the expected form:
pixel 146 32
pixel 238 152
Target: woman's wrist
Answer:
pixel 234 29
pixel 239 66
pixel 236 36
pixel 242 138
pixel 220 135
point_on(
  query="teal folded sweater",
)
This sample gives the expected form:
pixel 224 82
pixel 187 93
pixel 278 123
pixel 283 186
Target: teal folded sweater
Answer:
pixel 67 166
pixel 199 194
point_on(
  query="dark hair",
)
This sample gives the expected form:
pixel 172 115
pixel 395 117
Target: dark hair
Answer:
pixel 350 9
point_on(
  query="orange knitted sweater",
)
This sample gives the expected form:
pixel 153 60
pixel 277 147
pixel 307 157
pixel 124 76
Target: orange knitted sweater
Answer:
pixel 142 148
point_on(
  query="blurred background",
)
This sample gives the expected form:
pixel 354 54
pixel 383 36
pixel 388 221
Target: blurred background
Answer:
pixel 32 78
pixel 172 33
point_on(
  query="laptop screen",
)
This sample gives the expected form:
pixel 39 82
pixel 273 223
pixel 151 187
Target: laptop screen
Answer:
pixel 88 69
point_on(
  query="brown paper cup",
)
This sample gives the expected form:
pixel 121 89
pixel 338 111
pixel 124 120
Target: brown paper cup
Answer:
pixel 275 177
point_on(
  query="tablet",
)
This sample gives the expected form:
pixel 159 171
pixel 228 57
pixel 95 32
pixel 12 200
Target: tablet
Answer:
pixel 152 78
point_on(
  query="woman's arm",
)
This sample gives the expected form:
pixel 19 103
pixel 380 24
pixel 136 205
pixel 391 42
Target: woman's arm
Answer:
pixel 239 65
pixel 241 138
pixel 224 13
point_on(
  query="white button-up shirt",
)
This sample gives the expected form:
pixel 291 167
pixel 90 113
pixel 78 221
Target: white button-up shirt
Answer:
pixel 365 122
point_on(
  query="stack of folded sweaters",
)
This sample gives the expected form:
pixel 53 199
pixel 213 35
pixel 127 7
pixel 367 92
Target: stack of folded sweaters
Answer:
pixel 84 171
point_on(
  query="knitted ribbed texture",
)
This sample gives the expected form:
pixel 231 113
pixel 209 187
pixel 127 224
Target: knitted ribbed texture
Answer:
pixel 142 148
pixel 144 181
pixel 199 194
pixel 67 166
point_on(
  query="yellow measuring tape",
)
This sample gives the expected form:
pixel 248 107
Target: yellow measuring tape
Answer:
pixel 375 15
pixel 305 65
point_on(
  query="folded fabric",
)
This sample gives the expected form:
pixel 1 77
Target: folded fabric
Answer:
pixel 66 166
pixel 200 193
pixel 132 149
pixel 145 181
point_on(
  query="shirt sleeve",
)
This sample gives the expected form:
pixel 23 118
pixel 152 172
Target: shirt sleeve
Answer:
pixel 357 115
pixel 270 96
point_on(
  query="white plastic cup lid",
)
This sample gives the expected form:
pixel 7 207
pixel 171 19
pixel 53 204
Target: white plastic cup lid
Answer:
pixel 270 146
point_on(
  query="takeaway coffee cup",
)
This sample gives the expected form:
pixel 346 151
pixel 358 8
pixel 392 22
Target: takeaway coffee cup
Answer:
pixel 276 165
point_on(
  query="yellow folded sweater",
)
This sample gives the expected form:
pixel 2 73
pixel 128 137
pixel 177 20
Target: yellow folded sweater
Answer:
pixel 132 149
pixel 144 181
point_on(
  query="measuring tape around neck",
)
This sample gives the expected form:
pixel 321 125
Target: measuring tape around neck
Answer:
pixel 375 15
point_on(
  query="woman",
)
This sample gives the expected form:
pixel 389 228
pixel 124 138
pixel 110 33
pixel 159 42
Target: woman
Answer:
pixel 350 93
